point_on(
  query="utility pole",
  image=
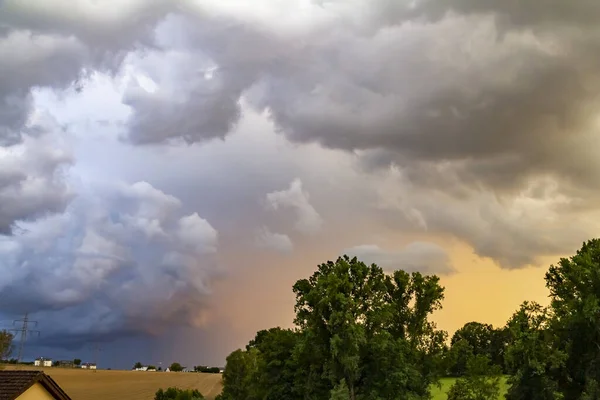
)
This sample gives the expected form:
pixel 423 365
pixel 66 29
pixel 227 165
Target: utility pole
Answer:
pixel 96 348
pixel 23 331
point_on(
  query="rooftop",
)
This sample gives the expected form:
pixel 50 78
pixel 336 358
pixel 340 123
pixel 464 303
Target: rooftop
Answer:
pixel 13 383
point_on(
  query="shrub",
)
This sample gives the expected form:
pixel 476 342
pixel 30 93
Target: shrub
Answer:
pixel 174 393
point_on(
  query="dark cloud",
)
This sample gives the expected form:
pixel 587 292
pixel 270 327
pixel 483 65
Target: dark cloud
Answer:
pixel 582 13
pixel 120 260
pixel 57 46
pixel 474 120
pixel 464 97
pixel 499 109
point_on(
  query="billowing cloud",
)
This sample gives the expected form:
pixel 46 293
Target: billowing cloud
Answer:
pixel 427 258
pixel 460 119
pixel 32 175
pixel 494 111
pixel 122 258
pixel 273 241
pixel 295 199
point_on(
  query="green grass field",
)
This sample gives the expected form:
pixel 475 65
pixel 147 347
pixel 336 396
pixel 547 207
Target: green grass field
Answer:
pixel 439 393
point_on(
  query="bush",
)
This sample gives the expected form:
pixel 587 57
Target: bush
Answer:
pixel 482 381
pixel 174 393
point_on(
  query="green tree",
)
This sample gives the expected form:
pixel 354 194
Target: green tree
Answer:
pixel 276 368
pixel 240 375
pixel 574 286
pixel 500 342
pixel 532 359
pixel 137 365
pixel 474 338
pixel 174 393
pixel 77 361
pixel 6 339
pixel 481 381
pixel 355 316
pixel 176 367
pixel 457 357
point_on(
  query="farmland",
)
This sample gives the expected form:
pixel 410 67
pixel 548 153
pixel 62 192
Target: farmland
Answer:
pixel 132 385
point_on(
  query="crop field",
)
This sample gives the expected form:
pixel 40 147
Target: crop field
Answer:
pixel 440 393
pixel 83 384
pixel 138 385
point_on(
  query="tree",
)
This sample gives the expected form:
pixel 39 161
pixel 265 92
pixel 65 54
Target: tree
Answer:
pixel 532 358
pixel 176 367
pixel 276 368
pixel 77 361
pixel 574 286
pixel 138 365
pixel 474 338
pixel 355 316
pixel 6 339
pixel 481 380
pixel 239 375
pixel 457 357
pixel 174 393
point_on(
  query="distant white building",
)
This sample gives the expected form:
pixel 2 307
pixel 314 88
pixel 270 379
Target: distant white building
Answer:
pixel 43 362
pixel 151 370
pixel 142 369
pixel 88 366
pixel 168 369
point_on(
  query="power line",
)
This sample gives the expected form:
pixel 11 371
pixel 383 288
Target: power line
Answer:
pixel 96 348
pixel 24 330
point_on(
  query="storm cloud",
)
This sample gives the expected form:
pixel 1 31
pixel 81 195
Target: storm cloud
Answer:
pixel 146 147
pixel 123 258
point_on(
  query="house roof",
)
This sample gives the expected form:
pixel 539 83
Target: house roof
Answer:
pixel 13 383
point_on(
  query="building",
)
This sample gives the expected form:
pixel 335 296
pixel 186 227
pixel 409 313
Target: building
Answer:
pixel 88 365
pixel 43 362
pixel 29 385
pixel 142 369
pixel 65 364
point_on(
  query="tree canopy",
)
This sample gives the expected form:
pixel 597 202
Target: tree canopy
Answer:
pixel 359 331
pixel 6 339
pixel 362 334
pixel 176 367
pixel 174 393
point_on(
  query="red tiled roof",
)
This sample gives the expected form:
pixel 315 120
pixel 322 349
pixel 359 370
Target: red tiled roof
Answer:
pixel 14 382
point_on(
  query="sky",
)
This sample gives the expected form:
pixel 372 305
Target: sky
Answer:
pixel 169 168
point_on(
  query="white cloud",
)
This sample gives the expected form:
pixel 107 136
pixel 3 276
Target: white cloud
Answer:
pixel 308 220
pixel 427 258
pixel 273 241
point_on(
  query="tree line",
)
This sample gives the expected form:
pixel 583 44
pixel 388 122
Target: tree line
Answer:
pixel 362 334
pixel 177 367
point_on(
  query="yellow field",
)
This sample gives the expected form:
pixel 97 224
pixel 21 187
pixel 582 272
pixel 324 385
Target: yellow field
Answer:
pixel 83 384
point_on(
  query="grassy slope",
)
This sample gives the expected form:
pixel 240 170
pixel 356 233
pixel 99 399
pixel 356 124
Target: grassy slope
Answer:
pixel 440 393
